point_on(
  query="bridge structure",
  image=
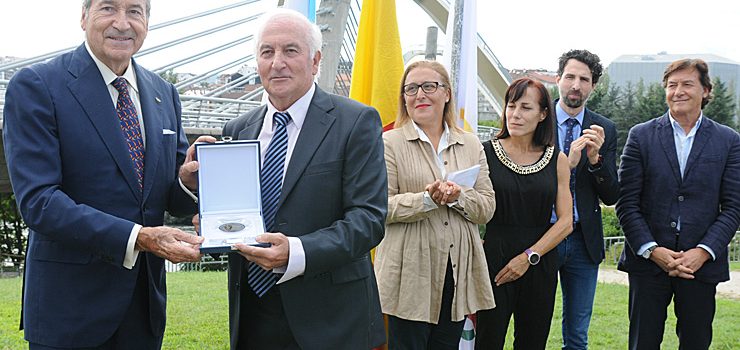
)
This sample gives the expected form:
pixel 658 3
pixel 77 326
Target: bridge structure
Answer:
pixel 213 97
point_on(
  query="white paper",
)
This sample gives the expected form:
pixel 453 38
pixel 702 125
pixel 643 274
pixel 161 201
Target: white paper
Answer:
pixel 465 177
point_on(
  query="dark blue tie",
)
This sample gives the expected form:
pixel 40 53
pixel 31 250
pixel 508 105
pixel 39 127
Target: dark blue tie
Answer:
pixel 129 120
pixel 570 124
pixel 271 181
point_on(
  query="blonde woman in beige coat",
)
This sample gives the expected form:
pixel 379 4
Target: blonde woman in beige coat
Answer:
pixel 431 266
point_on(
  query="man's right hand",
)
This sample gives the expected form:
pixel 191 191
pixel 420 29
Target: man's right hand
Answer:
pixel 189 169
pixel 169 243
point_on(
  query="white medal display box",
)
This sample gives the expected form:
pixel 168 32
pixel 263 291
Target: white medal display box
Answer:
pixel 229 200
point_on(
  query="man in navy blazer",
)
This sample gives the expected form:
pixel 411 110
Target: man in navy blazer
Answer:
pixel 592 158
pixel 94 274
pixel 679 207
pixel 331 211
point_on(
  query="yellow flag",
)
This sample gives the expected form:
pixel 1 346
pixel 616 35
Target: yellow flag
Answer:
pixel 378 65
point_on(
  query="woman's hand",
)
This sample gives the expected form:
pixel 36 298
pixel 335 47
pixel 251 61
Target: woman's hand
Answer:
pixel 443 192
pixel 513 270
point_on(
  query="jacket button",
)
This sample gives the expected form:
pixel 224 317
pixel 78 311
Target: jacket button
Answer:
pixel 673 224
pixel 680 198
pixel 446 223
pixel 445 162
pixel 452 245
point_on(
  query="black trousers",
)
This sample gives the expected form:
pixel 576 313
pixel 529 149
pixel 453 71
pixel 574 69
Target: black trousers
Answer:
pixel 415 335
pixel 530 299
pixel 693 304
pixel 135 331
pixel 263 324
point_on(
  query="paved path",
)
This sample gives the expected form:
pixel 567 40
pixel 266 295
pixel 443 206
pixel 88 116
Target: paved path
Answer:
pixel 730 289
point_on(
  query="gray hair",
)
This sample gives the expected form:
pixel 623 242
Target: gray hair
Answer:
pixel 312 32
pixel 87 3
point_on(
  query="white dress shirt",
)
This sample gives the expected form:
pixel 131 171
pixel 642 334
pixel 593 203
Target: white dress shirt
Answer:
pixel 298 110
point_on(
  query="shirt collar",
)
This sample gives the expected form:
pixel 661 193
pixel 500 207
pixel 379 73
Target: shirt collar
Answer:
pixel 297 110
pixel 677 127
pixel 562 115
pixel 443 141
pixel 109 76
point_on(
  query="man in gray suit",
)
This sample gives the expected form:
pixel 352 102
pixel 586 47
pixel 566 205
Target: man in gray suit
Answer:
pixel 331 208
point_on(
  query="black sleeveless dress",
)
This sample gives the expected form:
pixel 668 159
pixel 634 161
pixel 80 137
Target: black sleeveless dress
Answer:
pixel 525 196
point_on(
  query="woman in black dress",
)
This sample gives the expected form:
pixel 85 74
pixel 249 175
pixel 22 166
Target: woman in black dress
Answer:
pixel 529 177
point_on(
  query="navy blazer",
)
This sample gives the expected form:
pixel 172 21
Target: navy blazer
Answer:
pixel 653 195
pixel 592 186
pixel 334 197
pixel 77 191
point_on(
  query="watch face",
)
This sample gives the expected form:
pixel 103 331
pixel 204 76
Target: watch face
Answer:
pixel 534 258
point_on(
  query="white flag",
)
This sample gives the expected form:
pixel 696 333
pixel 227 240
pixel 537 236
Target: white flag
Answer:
pixel 461 59
pixel 467 340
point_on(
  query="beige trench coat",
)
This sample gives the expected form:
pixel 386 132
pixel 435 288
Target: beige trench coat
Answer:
pixel 411 261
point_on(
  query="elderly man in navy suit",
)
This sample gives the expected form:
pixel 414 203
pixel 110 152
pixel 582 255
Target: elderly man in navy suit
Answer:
pixel 94 143
pixel 679 207
pixel 324 203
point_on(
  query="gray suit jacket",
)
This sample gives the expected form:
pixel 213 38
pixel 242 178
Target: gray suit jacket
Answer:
pixel 334 198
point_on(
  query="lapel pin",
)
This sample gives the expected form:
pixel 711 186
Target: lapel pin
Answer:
pixel 157 99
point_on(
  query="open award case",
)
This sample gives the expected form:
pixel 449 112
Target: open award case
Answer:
pixel 229 199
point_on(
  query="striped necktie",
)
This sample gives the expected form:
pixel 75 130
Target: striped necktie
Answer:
pixel 271 182
pixel 130 127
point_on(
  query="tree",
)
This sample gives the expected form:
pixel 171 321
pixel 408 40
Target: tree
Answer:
pixel 13 235
pixel 169 76
pixel 722 106
pixel 650 103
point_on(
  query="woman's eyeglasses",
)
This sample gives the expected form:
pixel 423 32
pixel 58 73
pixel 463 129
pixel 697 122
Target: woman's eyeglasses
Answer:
pixel 427 86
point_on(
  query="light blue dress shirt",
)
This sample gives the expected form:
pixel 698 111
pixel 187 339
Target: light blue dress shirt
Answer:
pixel 562 117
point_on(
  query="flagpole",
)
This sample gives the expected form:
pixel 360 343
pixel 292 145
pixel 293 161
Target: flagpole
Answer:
pixel 457 39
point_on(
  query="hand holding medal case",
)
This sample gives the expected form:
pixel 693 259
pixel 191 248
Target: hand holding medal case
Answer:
pixel 229 194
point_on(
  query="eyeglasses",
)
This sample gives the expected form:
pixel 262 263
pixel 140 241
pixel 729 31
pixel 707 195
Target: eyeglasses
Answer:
pixel 428 87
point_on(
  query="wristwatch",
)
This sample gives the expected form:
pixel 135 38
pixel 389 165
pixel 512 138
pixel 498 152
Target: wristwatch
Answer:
pixel 647 252
pixel 532 256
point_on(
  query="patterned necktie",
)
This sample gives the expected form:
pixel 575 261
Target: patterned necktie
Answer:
pixel 130 127
pixel 271 181
pixel 570 125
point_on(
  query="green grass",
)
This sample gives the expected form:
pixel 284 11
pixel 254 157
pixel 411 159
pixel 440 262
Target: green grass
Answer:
pixel 198 316
pixel 197 312
pixel 609 322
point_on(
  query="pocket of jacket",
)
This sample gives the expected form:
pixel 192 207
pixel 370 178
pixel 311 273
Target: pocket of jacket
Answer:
pixel 357 269
pixel 54 252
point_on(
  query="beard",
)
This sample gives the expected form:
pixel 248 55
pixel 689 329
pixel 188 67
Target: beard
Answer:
pixel 574 102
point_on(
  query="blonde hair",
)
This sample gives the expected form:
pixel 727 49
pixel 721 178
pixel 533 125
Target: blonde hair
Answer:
pixel 449 115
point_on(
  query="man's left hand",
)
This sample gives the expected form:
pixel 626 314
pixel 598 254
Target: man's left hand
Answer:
pixel 189 169
pixel 595 139
pixel 693 259
pixel 270 257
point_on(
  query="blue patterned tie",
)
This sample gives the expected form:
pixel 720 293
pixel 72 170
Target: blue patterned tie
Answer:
pixel 570 125
pixel 271 181
pixel 130 127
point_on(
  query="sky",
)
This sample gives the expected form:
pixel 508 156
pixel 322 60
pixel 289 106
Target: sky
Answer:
pixel 522 34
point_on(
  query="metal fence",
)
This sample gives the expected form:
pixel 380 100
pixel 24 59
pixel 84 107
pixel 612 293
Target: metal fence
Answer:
pixel 613 247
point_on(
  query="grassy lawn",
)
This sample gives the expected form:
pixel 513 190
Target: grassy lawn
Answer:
pixel 198 316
